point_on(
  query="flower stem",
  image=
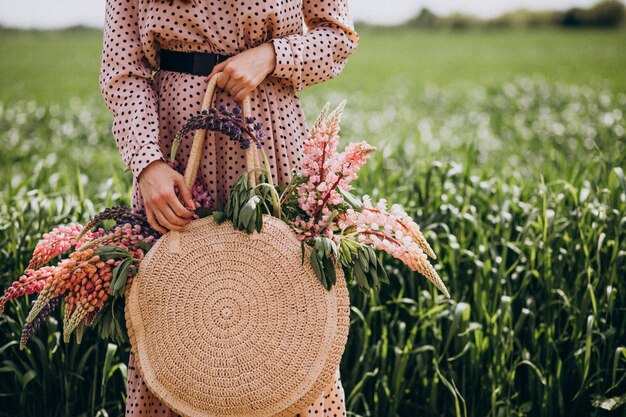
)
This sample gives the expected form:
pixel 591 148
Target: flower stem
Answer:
pixel 327 196
pixel 274 193
pixel 382 235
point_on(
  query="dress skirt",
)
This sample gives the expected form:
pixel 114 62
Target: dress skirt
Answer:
pixel 274 104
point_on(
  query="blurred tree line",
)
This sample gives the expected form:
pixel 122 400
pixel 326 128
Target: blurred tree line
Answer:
pixel 608 14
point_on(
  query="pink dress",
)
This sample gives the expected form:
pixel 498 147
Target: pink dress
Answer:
pixel 149 109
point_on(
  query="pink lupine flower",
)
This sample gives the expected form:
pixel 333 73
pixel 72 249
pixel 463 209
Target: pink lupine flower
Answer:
pixel 32 282
pixel 325 170
pixel 200 196
pixel 57 241
pixel 395 233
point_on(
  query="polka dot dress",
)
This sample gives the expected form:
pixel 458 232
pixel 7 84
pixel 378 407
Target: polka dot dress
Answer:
pixel 150 107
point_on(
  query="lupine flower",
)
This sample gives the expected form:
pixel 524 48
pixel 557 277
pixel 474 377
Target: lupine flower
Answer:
pixel 32 282
pixel 142 221
pixel 68 276
pixel 395 233
pixel 57 241
pixel 200 195
pixel 121 214
pixel 230 123
pixel 84 278
pixel 89 293
pixel 325 171
pixel 31 327
pixel 125 235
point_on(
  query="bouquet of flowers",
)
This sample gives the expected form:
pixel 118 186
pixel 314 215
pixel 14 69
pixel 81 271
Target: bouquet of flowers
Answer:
pixel 316 203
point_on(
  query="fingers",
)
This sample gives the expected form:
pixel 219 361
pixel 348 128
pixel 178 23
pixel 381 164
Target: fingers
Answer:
pixel 235 81
pixel 223 80
pixel 165 211
pixel 166 223
pixel 242 91
pixel 218 68
pixel 186 195
pixel 163 222
pixel 153 223
pixel 172 217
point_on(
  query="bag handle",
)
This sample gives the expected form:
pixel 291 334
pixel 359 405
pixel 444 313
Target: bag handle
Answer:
pixel 195 154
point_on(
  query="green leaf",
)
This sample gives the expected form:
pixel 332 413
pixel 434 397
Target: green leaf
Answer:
pixel 247 219
pixel 251 226
pixel 144 245
pixel 111 329
pixel 348 273
pixel 327 247
pixel 329 271
pixel 317 243
pixel 108 362
pixel 120 275
pixel 235 206
pixel 351 199
pixel 382 273
pixel 112 252
pixel 372 273
pixel 345 251
pixel 334 248
pixel 219 216
pixel 359 275
pixel 372 254
pixel 203 212
pixel 362 260
pixel 365 254
pixel 259 220
pixel 317 267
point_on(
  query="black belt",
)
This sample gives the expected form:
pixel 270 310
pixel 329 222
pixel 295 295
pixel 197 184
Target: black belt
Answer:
pixel 197 63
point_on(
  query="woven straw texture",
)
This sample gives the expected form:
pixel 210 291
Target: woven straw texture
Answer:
pixel 231 324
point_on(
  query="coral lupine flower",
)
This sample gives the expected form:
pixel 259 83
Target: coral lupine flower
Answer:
pixel 89 291
pixel 84 278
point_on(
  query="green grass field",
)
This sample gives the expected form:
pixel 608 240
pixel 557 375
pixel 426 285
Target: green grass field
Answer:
pixel 51 67
pixel 507 147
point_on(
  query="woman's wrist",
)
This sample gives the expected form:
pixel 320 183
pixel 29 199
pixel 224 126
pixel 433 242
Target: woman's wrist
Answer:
pixel 270 56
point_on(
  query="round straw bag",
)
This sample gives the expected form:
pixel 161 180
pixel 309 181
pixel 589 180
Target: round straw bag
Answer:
pixel 225 323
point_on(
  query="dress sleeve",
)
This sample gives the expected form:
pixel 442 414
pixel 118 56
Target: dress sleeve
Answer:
pixel 322 52
pixel 126 84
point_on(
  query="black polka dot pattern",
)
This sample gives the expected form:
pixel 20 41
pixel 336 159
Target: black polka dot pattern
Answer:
pixel 141 402
pixel 149 108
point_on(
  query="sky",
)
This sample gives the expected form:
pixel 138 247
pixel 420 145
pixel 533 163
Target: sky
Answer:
pixel 61 13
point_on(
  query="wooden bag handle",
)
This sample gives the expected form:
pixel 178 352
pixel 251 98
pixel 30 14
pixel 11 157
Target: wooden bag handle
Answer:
pixel 195 154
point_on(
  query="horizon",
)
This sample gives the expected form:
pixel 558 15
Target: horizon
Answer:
pixel 42 14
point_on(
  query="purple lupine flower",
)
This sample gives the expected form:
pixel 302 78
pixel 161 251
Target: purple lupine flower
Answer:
pixel 230 123
pixel 31 327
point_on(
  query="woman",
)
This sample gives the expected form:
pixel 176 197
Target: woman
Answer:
pixel 270 59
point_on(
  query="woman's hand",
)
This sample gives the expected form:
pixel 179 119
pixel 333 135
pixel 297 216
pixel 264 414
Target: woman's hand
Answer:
pixel 242 73
pixel 157 184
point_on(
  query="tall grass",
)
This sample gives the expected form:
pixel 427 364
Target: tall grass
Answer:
pixel 519 188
